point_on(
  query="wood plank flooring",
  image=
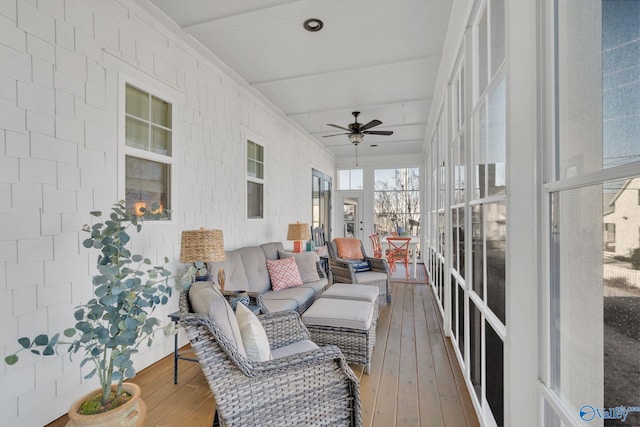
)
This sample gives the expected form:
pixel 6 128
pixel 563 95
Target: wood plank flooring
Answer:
pixel 414 379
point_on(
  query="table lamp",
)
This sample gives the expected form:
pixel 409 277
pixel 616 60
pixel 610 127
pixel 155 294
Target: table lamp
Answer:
pixel 201 245
pixel 298 233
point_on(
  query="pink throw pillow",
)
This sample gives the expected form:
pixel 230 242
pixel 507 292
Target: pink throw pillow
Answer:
pixel 284 273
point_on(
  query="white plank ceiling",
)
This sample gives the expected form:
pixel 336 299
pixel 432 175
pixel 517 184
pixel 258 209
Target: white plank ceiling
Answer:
pixel 379 57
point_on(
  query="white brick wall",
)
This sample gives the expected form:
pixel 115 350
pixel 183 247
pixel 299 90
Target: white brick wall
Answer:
pixel 60 64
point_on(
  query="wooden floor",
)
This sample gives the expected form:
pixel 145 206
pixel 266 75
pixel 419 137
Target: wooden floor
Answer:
pixel 414 380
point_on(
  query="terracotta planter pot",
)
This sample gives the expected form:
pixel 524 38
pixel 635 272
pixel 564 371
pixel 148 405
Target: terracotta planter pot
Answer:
pixel 131 414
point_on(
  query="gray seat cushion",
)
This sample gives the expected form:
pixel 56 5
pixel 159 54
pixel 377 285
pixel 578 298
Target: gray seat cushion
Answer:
pixel 235 277
pixel 271 249
pixel 316 285
pixel 275 305
pixel 351 291
pixel 370 276
pixel 338 313
pixel 300 294
pixel 294 348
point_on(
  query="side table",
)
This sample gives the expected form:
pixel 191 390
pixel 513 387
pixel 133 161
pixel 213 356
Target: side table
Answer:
pixel 175 317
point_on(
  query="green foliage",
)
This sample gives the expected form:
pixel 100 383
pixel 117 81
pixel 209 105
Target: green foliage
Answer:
pixel 110 327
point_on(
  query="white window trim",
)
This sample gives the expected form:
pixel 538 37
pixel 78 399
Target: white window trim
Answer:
pixel 257 139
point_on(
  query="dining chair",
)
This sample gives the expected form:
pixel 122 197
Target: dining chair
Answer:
pixel 375 244
pixel 399 251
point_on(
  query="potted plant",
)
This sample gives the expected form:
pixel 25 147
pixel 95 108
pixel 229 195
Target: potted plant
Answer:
pixel 115 322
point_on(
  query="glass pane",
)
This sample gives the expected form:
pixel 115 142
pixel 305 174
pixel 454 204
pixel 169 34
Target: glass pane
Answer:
pixel 315 201
pixel 461 170
pixel 260 170
pixel 137 133
pixel 494 352
pixel 160 112
pixel 146 185
pixel 137 102
pixel 160 141
pixel 477 255
pixel 397 201
pixel 595 297
pixel 259 153
pixel 251 168
pixel 454 236
pixel 461 320
pixel 483 53
pixel 475 348
pixel 480 153
pixel 254 200
pixel 251 150
pixel 497 35
pixel 495 233
pixel 461 242
pixel 496 146
pixel 599 85
pixel 454 306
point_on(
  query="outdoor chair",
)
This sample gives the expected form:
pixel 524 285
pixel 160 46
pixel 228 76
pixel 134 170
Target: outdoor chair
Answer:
pixel 358 267
pixel 399 251
pixel 302 385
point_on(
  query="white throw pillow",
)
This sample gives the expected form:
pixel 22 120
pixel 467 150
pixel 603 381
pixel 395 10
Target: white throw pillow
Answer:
pixel 254 338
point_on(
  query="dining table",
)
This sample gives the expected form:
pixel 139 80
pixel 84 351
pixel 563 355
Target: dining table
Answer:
pixel 413 245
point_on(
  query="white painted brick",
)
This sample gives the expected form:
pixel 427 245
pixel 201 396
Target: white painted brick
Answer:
pixel 8 9
pixel 42 72
pixel 15 64
pixel 58 200
pixel 69 84
pixel 127 43
pixel 70 381
pixel 87 46
pixel 37 171
pixel 164 69
pixel 96 136
pixel 8 251
pixel 11 36
pixel 33 21
pixel 36 98
pixel 71 63
pixel 40 123
pixel 51 224
pixel 5 197
pixel 9 411
pixel 25 195
pixel 65 35
pixel 70 130
pixel 34 250
pixel 53 295
pixel 106 31
pixel 49 369
pixel 68 177
pixel 8 88
pixel 95 95
pixel 72 221
pixel 17 144
pixel 94 179
pixel 11 117
pixel 78 14
pixel 66 246
pixel 92 159
pixel 85 199
pixel 24 275
pixel 64 104
pixel 41 49
pixel 3 279
pixel 53 8
pixel 24 300
pixel 32 402
pixel 96 73
pixel 90 114
pixel 144 55
pixel 19 379
pixel 48 148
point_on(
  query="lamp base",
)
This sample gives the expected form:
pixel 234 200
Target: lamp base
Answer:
pixel 297 246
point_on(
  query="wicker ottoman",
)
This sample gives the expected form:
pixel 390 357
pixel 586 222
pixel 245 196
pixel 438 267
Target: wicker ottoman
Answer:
pixel 348 324
pixel 354 292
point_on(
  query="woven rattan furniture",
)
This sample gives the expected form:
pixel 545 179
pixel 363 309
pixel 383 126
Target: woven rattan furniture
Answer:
pixel 349 324
pixel 343 271
pixel 314 387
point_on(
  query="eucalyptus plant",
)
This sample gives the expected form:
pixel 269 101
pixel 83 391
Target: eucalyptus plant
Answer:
pixel 111 326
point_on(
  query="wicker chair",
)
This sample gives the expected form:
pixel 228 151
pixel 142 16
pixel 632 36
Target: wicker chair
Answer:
pixel 315 387
pixel 343 271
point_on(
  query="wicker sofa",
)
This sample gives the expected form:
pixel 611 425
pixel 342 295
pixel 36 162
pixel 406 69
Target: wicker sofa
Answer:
pixel 246 269
pixel 302 385
pixel 343 270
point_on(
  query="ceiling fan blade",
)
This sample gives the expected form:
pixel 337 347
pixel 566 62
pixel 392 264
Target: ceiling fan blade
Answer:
pixel 339 127
pixel 378 132
pixel 371 124
pixel 335 134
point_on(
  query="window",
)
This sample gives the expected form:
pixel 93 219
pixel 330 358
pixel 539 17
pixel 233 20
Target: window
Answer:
pixel 350 179
pixel 148 151
pixel 255 180
pixel 321 202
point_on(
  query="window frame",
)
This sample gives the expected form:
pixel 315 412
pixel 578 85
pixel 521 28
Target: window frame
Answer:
pixel 258 141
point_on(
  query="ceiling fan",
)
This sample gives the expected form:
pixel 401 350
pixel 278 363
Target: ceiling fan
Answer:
pixel 356 131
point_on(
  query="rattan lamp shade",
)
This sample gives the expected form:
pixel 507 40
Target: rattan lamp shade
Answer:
pixel 298 232
pixel 202 245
